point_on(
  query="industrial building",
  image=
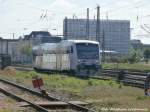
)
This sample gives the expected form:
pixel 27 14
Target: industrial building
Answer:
pixel 33 39
pixel 114 34
pixel 39 37
pixel 9 47
pixel 20 50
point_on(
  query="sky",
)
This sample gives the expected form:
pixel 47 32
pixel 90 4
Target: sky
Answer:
pixel 23 16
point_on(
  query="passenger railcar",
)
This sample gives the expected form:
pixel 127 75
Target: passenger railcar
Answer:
pixel 79 56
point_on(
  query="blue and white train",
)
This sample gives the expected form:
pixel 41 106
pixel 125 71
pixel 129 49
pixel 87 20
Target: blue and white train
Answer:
pixel 79 56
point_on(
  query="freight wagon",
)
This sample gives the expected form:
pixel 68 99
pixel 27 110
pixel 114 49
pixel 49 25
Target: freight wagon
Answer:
pixel 5 60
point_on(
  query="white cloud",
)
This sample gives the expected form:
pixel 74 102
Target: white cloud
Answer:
pixel 15 15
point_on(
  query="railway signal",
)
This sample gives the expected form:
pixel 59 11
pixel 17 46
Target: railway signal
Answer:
pixel 37 83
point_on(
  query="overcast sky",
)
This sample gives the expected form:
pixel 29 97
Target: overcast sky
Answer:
pixel 23 16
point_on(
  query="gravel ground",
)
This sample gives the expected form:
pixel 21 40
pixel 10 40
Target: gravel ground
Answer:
pixel 21 93
pixel 9 105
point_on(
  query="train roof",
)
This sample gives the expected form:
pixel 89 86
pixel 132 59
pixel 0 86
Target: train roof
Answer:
pixel 46 46
pixel 81 41
pixel 52 46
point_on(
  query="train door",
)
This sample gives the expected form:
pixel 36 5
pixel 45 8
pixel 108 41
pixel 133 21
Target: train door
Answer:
pixel 58 60
pixel 65 61
pixel 38 61
pixel 62 58
pixel 72 58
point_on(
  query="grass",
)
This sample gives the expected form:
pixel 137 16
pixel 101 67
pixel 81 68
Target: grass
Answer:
pixel 5 110
pixel 15 110
pixel 101 94
pixel 62 82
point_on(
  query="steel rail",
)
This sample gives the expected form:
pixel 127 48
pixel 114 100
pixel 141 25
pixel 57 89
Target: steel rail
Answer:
pixel 28 89
pixel 49 97
pixel 35 106
pixel 129 70
pixel 126 72
pixel 134 79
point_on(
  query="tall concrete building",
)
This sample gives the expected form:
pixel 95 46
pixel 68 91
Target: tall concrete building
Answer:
pixel 114 34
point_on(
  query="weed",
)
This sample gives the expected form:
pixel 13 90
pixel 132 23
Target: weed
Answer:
pixel 101 93
pixel 5 110
pixel 120 86
pixel 141 97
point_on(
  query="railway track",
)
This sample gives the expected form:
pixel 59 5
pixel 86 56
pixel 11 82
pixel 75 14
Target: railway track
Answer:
pixel 13 87
pixel 131 78
pixel 23 68
pixel 18 98
pixel 129 70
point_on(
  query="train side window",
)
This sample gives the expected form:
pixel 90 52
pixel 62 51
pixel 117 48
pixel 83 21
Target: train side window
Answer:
pixel 71 49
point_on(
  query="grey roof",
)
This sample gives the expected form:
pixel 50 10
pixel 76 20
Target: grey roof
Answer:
pixel 42 33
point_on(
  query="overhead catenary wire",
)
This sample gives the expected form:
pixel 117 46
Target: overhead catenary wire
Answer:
pixel 137 3
pixel 114 10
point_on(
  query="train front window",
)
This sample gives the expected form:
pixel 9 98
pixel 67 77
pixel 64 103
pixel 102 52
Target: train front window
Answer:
pixel 87 51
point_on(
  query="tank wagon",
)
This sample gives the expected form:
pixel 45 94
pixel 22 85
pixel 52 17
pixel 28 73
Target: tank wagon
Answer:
pixel 78 56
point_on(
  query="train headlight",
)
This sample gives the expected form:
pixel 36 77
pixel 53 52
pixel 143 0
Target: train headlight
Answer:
pixel 97 61
pixel 79 60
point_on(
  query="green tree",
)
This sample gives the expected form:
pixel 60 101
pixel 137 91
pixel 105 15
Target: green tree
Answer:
pixel 146 54
pixel 26 49
pixel 134 56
